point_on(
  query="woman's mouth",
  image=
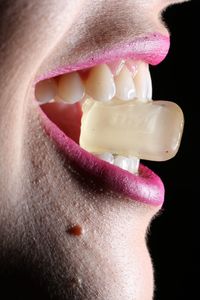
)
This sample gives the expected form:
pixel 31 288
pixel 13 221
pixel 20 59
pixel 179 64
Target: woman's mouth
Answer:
pixel 104 119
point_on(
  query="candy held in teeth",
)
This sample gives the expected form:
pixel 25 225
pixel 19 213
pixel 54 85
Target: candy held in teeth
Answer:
pixel 149 130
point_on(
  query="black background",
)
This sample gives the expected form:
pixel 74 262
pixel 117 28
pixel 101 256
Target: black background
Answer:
pixel 174 238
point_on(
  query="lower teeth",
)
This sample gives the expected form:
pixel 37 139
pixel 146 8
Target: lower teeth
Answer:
pixel 130 164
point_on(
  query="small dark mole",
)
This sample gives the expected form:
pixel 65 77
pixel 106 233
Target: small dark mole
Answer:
pixel 75 230
pixel 166 151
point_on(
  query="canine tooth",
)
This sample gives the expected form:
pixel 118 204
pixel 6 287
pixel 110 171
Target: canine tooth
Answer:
pixel 106 157
pixel 122 162
pixel 71 88
pixel 125 88
pixel 143 83
pixel 100 84
pixel 149 131
pixel 116 66
pixel 45 90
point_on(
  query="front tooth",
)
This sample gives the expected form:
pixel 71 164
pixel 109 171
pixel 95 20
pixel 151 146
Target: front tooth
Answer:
pixel 125 88
pixel 132 66
pixel 45 90
pixel 116 66
pixel 71 88
pixel 106 157
pixel 122 162
pixel 133 164
pixel 100 84
pixel 149 86
pixel 143 83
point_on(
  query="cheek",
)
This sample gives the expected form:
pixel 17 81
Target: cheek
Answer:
pixel 42 23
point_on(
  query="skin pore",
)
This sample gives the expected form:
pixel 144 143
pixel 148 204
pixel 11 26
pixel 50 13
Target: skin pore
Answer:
pixel 74 239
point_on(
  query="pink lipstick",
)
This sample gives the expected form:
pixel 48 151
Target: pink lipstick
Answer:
pixel 146 187
pixel 152 49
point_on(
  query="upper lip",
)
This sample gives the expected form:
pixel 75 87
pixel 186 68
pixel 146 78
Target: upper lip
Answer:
pixel 151 48
pixel 146 187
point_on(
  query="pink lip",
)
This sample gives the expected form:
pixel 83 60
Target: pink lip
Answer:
pixel 151 48
pixel 146 187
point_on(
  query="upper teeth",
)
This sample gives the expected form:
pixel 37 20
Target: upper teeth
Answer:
pixel 122 80
pixel 46 90
pixel 125 87
pixel 116 66
pixel 71 88
pixel 143 83
pixel 100 84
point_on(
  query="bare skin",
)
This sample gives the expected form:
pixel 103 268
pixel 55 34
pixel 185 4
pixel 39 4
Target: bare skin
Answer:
pixel 41 197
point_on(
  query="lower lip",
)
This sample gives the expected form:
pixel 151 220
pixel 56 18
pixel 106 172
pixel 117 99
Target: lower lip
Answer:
pixel 146 187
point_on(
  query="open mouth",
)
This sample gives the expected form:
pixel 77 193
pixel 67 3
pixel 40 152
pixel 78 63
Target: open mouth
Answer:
pixel 105 120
